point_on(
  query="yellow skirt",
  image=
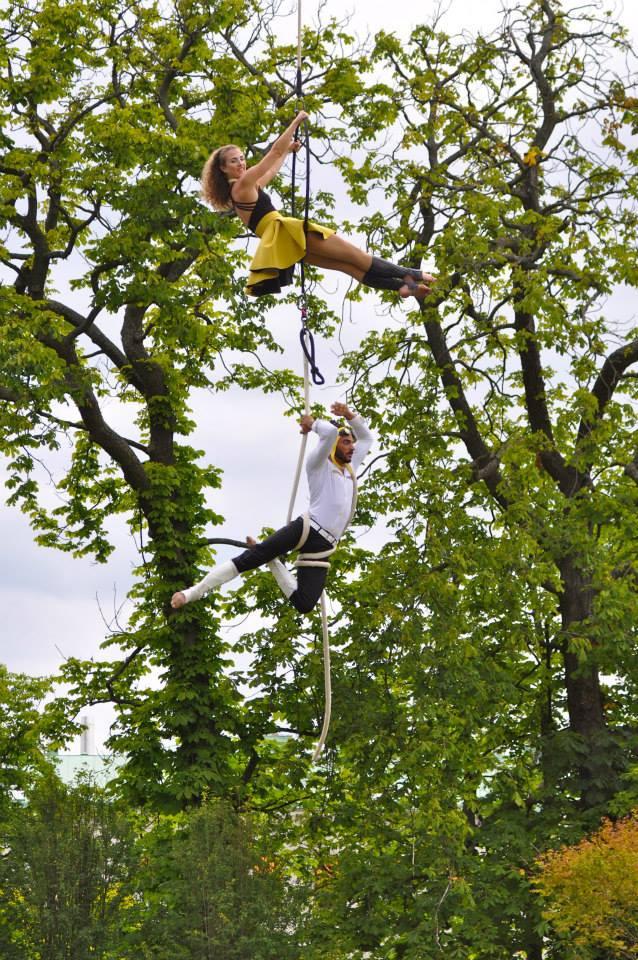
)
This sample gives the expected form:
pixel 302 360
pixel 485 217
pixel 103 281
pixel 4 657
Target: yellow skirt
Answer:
pixel 282 244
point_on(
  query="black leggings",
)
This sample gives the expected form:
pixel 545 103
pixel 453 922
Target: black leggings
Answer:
pixel 310 580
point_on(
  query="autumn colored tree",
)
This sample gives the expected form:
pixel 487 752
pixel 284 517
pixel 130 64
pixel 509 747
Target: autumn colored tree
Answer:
pixel 590 891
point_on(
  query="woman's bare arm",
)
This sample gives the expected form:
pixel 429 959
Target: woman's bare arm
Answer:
pixel 263 172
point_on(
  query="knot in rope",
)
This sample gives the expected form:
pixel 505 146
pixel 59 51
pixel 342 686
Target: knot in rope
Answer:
pixel 308 346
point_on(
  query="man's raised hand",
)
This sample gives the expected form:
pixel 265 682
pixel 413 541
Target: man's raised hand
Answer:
pixel 342 410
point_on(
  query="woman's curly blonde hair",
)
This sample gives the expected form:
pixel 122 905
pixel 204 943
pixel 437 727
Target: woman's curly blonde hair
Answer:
pixel 215 186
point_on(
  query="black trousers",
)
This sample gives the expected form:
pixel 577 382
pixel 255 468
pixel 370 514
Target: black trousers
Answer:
pixel 310 580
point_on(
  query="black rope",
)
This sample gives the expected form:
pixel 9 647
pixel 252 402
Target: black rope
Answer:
pixel 227 541
pixel 305 335
pixel 299 94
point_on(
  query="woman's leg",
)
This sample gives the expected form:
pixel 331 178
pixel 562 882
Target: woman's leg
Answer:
pixel 335 253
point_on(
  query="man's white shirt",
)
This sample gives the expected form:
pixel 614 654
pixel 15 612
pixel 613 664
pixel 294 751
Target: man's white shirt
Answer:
pixel 331 489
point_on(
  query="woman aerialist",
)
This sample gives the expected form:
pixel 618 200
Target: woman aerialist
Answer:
pixel 227 184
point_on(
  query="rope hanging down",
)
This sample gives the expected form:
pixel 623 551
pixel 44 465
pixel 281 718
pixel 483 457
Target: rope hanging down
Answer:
pixel 309 368
pixel 324 610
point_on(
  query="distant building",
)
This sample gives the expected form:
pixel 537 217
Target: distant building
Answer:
pixel 100 767
pixel 103 768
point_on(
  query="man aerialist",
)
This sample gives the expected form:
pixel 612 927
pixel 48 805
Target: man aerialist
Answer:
pixel 331 469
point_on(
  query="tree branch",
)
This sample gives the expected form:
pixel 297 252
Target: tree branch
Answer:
pixel 611 373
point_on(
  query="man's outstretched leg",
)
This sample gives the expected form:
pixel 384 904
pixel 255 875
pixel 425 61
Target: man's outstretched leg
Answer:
pixel 220 574
pixel 258 554
pixel 303 592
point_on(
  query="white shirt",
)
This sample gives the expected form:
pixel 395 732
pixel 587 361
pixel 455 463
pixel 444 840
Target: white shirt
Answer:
pixel 331 489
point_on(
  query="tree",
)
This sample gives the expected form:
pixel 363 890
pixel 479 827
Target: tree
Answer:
pixel 26 736
pixel 108 112
pixel 518 185
pixel 214 886
pixel 83 874
pixel 485 664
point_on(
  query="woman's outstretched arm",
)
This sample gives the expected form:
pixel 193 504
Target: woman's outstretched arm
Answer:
pixel 268 167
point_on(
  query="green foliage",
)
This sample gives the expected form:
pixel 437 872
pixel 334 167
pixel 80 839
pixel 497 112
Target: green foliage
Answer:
pixel 83 875
pixel 214 887
pixel 26 735
pixel 66 855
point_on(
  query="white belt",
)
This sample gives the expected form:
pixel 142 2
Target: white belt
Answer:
pixel 324 533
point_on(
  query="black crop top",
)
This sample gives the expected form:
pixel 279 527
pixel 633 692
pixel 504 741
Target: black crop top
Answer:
pixel 259 208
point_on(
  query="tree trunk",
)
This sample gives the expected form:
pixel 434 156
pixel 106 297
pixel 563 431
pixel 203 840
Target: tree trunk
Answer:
pixel 584 698
pixel 584 695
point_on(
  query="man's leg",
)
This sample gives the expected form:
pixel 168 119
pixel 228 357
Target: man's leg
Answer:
pixel 310 580
pixel 310 584
pixel 285 580
pixel 281 541
pixel 305 592
pixel 220 574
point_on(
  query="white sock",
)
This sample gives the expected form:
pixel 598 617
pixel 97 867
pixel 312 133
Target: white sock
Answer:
pixel 284 578
pixel 222 573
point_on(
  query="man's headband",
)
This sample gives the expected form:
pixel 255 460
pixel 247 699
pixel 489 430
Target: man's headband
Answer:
pixel 344 429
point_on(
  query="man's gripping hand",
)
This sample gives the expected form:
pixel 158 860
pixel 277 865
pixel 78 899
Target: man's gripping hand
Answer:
pixel 306 423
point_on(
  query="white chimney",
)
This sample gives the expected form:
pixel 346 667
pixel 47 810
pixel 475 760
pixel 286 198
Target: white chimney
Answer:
pixel 86 737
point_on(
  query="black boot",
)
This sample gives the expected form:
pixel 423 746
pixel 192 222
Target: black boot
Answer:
pixel 372 279
pixel 384 275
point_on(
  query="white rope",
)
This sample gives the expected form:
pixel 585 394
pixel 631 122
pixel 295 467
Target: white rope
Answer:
pixel 312 560
pixel 304 440
pixel 327 710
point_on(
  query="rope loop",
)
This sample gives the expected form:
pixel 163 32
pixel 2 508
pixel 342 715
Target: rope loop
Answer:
pixel 308 346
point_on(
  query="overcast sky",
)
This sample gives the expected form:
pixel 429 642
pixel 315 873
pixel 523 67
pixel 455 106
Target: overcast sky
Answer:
pixel 53 605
